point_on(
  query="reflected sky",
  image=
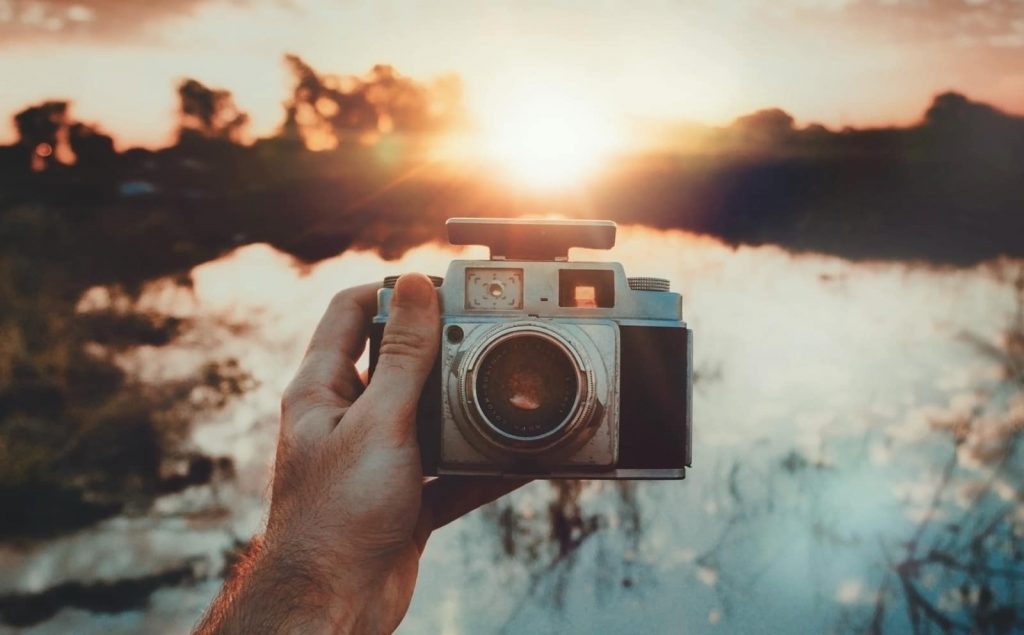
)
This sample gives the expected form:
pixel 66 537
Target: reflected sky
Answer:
pixel 820 380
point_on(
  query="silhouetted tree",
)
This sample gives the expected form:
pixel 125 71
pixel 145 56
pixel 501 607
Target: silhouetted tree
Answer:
pixel 769 126
pixel 209 113
pixel 981 136
pixel 40 131
pixel 89 145
pixel 328 110
pixel 48 135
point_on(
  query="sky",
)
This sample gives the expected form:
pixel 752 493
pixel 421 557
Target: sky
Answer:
pixel 830 61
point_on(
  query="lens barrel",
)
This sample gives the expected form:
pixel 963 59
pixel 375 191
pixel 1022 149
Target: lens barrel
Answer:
pixel 527 389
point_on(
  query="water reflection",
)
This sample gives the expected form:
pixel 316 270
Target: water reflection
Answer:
pixel 855 463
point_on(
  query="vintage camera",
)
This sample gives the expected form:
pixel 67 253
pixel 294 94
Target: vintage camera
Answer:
pixel 550 368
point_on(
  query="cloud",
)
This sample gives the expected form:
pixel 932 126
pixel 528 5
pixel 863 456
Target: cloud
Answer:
pixel 985 34
pixel 990 23
pixel 998 23
pixel 116 19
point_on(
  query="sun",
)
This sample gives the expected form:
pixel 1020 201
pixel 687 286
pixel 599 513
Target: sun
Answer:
pixel 546 139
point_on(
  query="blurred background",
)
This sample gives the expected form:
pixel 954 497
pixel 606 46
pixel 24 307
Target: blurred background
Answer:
pixel 836 187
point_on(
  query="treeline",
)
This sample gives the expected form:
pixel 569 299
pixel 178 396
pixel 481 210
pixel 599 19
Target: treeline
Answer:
pixel 350 165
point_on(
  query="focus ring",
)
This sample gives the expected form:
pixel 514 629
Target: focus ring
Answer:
pixel 391 281
pixel 648 284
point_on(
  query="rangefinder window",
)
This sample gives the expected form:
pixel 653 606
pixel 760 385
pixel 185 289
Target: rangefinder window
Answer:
pixel 586 288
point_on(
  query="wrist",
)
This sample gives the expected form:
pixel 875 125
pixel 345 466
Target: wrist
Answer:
pixel 284 588
pixel 319 596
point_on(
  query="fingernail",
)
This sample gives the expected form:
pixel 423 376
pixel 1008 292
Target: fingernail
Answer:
pixel 414 290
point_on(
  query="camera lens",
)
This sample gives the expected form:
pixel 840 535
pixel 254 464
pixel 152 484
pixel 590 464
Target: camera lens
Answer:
pixel 527 387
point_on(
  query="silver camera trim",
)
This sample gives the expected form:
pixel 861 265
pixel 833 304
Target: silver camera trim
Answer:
pixel 592 333
pixel 584 404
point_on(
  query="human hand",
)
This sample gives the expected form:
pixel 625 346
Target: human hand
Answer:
pixel 350 512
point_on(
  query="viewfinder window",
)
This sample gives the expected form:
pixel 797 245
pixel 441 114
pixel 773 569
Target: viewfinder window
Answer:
pixel 586 297
pixel 586 288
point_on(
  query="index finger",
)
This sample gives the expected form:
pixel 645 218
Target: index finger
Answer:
pixel 344 324
pixel 327 374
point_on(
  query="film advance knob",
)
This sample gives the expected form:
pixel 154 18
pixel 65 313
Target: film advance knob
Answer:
pixel 391 281
pixel 648 284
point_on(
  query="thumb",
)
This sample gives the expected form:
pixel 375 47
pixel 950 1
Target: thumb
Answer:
pixel 408 349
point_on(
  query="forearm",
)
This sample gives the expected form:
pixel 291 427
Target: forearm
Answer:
pixel 282 590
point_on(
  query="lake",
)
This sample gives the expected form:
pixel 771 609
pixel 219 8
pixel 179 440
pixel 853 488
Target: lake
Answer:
pixel 826 395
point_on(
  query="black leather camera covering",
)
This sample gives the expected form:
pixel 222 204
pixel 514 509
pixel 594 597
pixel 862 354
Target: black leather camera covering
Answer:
pixel 654 431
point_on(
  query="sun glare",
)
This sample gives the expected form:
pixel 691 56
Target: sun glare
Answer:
pixel 547 140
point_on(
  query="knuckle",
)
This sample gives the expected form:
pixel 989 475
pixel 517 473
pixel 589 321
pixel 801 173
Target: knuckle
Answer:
pixel 290 398
pixel 341 299
pixel 298 395
pixel 345 301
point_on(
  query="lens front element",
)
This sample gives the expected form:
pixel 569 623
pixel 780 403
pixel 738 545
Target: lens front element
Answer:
pixel 527 387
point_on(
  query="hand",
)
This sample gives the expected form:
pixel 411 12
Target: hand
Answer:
pixel 350 512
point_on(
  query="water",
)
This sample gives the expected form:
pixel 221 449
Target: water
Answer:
pixel 816 452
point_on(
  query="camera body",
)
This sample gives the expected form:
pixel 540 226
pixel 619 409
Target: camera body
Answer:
pixel 549 368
